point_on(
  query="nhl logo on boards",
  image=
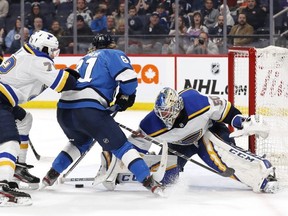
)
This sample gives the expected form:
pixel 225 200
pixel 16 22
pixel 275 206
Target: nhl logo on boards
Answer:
pixel 215 68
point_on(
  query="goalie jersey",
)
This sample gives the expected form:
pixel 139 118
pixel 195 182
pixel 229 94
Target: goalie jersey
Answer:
pixel 199 114
pixel 27 73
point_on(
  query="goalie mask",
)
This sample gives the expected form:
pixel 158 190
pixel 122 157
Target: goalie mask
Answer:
pixel 168 105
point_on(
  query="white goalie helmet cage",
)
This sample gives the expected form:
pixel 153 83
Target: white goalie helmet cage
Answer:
pixel 42 39
pixel 168 105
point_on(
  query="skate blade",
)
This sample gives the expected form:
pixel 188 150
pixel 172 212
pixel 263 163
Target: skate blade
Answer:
pixel 21 201
pixel 30 186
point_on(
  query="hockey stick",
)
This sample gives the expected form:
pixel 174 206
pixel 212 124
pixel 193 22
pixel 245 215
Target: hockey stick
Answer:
pixel 227 173
pixel 82 156
pixel 34 150
pixel 158 175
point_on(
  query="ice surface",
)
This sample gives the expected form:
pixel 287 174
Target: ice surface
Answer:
pixel 198 192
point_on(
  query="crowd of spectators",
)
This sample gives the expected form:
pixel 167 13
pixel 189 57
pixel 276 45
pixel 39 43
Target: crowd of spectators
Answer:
pixel 151 24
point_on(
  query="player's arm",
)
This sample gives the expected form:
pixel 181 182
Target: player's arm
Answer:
pixel 64 81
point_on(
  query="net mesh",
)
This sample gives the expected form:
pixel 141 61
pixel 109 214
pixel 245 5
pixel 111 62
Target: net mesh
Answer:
pixel 271 101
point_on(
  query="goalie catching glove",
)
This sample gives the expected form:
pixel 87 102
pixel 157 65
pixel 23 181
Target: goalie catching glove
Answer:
pixel 253 125
pixel 124 101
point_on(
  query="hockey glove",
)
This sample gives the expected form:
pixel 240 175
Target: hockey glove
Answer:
pixel 72 72
pixel 250 126
pixel 124 101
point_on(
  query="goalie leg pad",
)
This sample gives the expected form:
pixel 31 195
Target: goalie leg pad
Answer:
pixel 250 169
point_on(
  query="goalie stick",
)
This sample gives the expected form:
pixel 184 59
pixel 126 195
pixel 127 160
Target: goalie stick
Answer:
pixel 227 173
pixel 158 175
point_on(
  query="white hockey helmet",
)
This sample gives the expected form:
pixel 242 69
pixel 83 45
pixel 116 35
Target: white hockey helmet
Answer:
pixel 45 42
pixel 168 105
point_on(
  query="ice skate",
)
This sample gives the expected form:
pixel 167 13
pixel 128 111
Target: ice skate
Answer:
pixel 10 195
pixel 25 179
pixel 154 186
pixel 50 178
pixel 270 185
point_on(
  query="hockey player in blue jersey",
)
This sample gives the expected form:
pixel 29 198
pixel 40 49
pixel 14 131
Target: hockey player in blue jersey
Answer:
pixel 23 76
pixel 84 116
pixel 196 124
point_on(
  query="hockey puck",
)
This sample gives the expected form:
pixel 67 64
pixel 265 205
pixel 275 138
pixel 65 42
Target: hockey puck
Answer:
pixel 79 186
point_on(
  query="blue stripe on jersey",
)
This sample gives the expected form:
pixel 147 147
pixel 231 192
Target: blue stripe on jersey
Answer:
pixel 57 80
pixel 152 125
pixel 7 155
pixel 9 94
pixel 24 137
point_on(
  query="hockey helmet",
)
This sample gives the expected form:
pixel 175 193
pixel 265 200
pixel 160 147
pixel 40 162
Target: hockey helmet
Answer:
pixel 168 105
pixel 103 41
pixel 45 42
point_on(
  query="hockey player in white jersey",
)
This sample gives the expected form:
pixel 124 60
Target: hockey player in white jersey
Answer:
pixel 196 124
pixel 23 76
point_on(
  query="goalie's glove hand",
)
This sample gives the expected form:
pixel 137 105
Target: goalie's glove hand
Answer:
pixel 249 126
pixel 124 101
pixel 72 72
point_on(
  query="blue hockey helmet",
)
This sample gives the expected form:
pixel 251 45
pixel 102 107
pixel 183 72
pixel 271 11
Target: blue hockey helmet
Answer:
pixel 168 105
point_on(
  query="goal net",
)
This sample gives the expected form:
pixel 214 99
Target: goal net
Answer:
pixel 258 84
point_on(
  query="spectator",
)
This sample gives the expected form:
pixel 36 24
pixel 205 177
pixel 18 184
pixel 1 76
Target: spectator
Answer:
pixel 143 7
pixel 255 15
pixel 171 49
pixel 2 31
pixel 154 35
pixel 10 36
pixel 4 9
pixel 202 45
pixel 119 35
pixel 163 15
pixel 16 43
pixel 120 13
pixel 241 29
pixel 111 25
pixel 99 22
pixel 35 12
pixel 230 21
pixel 134 22
pixel 60 34
pixel 196 25
pixel 82 10
pixel 217 32
pixel 38 25
pixel 209 14
pixel 84 37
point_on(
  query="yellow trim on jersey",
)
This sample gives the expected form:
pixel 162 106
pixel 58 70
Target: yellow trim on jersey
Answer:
pixel 24 146
pixel 7 163
pixel 154 168
pixel 6 93
pixel 199 112
pixel 29 49
pixel 158 132
pixel 62 82
pixel 227 109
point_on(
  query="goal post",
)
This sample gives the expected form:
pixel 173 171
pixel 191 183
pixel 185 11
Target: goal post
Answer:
pixel 258 84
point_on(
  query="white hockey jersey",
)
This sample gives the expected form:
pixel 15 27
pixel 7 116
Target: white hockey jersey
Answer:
pixel 27 73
